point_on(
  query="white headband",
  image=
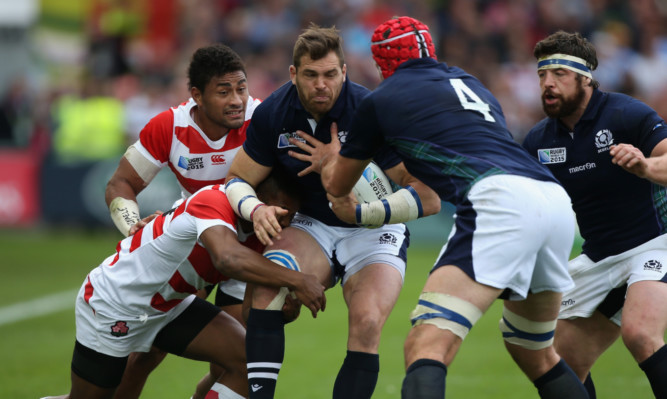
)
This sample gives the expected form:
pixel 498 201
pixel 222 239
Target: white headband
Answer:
pixel 576 64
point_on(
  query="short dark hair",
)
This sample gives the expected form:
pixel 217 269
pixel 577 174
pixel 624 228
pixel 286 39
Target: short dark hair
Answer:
pixel 574 44
pixel 211 61
pixel 278 181
pixel 317 42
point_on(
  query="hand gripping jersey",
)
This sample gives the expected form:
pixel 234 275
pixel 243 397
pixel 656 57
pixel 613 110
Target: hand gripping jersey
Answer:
pixel 172 138
pixel 163 263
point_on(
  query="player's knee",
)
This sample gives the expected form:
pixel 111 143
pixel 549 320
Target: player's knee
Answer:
pixel 285 259
pixel 445 312
pixel 520 331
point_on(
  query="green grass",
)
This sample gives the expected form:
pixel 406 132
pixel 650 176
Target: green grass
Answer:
pixel 36 352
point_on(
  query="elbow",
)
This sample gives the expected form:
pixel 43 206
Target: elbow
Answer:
pixel 431 206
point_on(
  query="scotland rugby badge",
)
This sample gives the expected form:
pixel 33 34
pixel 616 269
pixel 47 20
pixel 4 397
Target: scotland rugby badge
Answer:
pixel 551 155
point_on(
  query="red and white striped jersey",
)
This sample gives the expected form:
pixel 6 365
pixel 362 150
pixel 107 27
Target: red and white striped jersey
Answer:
pixel 164 262
pixel 173 138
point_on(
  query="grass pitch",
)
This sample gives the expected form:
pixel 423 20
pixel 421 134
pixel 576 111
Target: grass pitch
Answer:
pixel 36 351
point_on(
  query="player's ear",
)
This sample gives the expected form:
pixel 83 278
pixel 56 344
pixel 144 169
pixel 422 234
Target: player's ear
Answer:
pixel 196 94
pixel 344 72
pixel 292 74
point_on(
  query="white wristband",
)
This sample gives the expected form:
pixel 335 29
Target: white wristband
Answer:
pixel 402 206
pixel 242 197
pixel 124 213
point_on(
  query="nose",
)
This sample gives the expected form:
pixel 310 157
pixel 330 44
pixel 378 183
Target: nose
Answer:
pixel 319 82
pixel 547 79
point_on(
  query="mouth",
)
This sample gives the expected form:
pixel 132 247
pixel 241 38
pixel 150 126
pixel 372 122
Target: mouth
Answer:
pixel 237 113
pixel 549 98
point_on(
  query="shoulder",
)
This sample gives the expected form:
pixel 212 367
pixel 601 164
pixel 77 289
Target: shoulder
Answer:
pixel 210 202
pixel 276 101
pixel 536 133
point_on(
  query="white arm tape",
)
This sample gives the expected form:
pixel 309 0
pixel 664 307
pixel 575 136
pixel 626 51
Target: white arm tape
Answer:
pixel 143 166
pixel 242 197
pixel 402 206
pixel 124 213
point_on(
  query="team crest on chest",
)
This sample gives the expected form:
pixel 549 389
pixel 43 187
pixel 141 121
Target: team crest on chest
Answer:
pixel 603 140
pixel 342 136
pixel 283 139
pixel 551 155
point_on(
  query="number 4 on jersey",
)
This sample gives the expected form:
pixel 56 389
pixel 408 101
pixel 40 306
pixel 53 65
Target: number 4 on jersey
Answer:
pixel 465 93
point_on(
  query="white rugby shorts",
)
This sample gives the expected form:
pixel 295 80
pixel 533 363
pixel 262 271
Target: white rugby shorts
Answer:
pixel 514 233
pixel 108 330
pixel 357 247
pixel 594 280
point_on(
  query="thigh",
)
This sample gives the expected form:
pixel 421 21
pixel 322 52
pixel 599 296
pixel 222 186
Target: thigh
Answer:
pixel 373 291
pixel 581 341
pixel 310 256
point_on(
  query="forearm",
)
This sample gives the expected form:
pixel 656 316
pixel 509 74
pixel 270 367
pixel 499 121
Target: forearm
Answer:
pixel 656 170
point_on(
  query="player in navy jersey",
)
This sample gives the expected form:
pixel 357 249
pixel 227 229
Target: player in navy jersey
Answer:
pixel 513 229
pixel 608 150
pixel 369 263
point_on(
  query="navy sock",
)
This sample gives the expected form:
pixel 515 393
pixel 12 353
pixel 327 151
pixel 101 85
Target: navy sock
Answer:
pixel 265 350
pixel 358 376
pixel 655 368
pixel 590 387
pixel 560 382
pixel 424 379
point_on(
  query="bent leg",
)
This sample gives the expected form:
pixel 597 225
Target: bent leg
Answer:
pixel 139 367
pixel 370 295
pixel 440 325
pixel 581 341
pixel 528 330
pixel 643 329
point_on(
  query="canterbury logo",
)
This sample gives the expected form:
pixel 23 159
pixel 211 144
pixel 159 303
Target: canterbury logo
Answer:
pixel 217 159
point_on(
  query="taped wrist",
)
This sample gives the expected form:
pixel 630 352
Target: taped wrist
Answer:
pixel 402 206
pixel 242 197
pixel 124 213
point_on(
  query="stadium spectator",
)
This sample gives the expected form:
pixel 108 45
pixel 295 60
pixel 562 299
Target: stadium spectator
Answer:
pixel 133 305
pixel 609 152
pixel 197 141
pixel 370 264
pixel 513 227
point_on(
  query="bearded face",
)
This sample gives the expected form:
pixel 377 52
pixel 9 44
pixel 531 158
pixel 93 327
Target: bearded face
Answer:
pixel 564 103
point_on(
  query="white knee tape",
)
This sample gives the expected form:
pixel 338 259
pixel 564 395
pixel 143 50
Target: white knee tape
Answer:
pixel 526 333
pixel 445 312
pixel 286 259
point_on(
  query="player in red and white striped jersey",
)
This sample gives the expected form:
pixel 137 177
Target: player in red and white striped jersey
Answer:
pixel 197 140
pixel 141 295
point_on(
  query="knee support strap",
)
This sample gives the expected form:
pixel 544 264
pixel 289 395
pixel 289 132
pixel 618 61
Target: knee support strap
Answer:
pixel 445 312
pixel 286 259
pixel 533 335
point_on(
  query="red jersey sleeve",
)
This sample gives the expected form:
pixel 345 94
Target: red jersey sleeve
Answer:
pixel 156 136
pixel 211 204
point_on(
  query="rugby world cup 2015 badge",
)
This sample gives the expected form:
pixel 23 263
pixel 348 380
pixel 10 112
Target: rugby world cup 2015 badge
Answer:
pixel 551 155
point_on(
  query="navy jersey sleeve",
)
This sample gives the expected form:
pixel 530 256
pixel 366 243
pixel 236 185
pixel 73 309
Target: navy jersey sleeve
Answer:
pixel 258 144
pixel 647 127
pixel 364 139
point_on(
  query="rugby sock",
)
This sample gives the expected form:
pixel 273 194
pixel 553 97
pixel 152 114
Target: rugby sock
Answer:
pixel 358 376
pixel 655 368
pixel 265 350
pixel 219 391
pixel 424 379
pixel 590 387
pixel 560 382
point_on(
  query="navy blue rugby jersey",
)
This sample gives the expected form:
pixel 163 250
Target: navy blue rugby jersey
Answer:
pixel 447 128
pixel 616 210
pixel 278 118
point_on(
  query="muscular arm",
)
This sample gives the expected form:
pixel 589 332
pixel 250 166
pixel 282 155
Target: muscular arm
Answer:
pixel 431 201
pixel 241 263
pixel 632 160
pixel 125 182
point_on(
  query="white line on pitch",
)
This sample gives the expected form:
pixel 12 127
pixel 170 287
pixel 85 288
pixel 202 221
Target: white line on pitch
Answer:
pixel 37 307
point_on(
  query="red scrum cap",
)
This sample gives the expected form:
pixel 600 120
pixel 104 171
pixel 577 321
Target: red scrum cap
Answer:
pixel 398 40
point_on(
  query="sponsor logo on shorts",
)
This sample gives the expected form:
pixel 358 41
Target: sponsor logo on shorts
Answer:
pixel 568 302
pixel 303 222
pixel 120 329
pixel 191 163
pixel 653 265
pixel 218 159
pixel 551 155
pixel 388 238
pixel 283 140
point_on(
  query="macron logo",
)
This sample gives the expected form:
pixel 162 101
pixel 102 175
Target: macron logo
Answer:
pixel 256 387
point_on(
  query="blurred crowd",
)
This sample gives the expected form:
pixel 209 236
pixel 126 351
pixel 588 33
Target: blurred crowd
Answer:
pixel 131 63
